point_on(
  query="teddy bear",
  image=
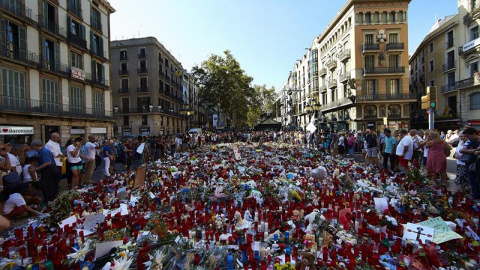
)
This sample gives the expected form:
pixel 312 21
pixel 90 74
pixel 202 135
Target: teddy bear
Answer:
pixel 310 244
pixel 307 262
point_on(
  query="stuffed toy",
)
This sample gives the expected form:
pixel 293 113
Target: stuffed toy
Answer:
pixel 310 244
pixel 307 262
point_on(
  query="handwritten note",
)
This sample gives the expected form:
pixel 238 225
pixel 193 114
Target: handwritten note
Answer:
pixel 443 233
pixel 92 220
pixel 417 232
pixel 103 249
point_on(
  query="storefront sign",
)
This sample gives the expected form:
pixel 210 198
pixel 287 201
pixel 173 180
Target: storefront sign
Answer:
pixel 98 130
pixel 77 131
pixel 469 45
pixel 370 125
pixel 77 73
pixel 474 122
pixel 12 130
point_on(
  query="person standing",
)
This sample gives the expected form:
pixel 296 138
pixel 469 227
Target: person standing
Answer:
pixel 54 146
pixel 107 157
pixel 404 150
pixel 461 178
pixel 341 144
pixel 75 161
pixel 90 147
pixel 351 144
pixel 13 156
pixel 381 139
pixel 472 147
pixel 437 160
pixel 48 170
pixel 389 151
pixel 372 146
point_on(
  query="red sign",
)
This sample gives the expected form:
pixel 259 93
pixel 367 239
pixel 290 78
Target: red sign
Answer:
pixel 78 73
pixel 474 122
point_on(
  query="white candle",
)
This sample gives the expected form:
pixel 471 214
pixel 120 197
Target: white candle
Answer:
pixel 266 227
pixel 262 226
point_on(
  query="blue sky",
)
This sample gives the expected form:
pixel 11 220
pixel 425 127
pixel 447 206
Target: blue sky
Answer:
pixel 265 36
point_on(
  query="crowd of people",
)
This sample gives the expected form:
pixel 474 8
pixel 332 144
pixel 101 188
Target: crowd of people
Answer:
pixel 27 169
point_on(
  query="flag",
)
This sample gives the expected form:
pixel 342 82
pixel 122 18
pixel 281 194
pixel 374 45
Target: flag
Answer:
pixel 179 72
pixel 311 127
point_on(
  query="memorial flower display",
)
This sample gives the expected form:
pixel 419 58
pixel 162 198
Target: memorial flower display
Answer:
pixel 273 206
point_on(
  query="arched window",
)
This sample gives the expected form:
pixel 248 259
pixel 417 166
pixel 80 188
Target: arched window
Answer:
pixel 475 101
pixel 370 111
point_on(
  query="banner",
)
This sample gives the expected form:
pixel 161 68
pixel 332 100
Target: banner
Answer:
pixel 215 120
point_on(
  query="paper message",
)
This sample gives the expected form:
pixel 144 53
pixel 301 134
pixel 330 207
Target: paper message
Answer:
pixel 92 220
pixel 417 232
pixel 140 177
pixel 443 233
pixel 381 204
pixel 237 153
pixel 68 221
pixel 85 232
pixel 103 249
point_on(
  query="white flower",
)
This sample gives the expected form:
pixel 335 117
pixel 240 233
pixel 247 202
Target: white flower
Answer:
pixel 156 261
pixel 80 254
pixel 122 264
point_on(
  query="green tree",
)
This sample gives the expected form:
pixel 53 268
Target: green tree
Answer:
pixel 261 103
pixel 224 87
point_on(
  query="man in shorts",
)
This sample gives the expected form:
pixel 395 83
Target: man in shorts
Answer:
pixel 371 140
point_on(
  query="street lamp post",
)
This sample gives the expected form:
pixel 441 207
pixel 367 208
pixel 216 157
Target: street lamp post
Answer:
pixel 187 111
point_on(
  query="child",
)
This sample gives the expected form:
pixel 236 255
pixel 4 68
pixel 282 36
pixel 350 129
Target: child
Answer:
pixel 17 203
pixel 29 173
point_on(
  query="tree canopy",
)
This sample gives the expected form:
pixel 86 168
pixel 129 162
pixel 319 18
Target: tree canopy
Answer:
pixel 225 88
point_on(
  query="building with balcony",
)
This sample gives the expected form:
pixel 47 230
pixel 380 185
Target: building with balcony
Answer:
pixel 448 58
pixel 55 69
pixel 356 70
pixel 151 86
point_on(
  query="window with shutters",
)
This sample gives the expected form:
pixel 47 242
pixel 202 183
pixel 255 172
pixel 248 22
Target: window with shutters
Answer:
pixel 95 21
pixel 369 39
pixel 98 103
pixel 393 60
pixel 123 55
pixel 74 7
pixel 393 38
pixel 369 61
pixel 98 71
pixel 50 55
pixel 76 60
pixel 125 85
pixel 51 96
pixel 76 100
pixel 143 103
pixel 474 33
pixel 13 40
pixel 13 89
pixel 96 44
pixel 370 88
pixel 76 32
pixel 473 69
pixel 475 101
pixel 48 17
pixel 393 87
